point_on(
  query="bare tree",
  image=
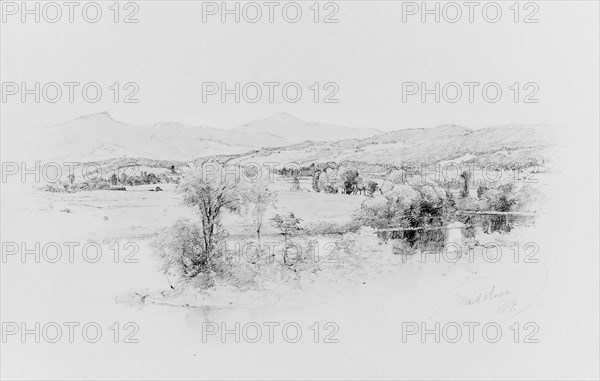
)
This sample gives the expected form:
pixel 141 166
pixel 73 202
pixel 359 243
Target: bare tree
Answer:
pixel 257 198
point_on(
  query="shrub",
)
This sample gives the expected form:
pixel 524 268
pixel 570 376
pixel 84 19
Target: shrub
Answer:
pixel 181 249
pixel 323 227
pixel 287 225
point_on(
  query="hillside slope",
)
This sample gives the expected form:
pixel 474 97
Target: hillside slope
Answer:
pixel 296 131
pixel 99 137
pixel 497 144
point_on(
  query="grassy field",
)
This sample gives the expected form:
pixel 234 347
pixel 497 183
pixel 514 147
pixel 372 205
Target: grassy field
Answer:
pixel 360 284
pixel 136 216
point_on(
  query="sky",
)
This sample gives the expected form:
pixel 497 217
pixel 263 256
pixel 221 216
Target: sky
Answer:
pixel 176 50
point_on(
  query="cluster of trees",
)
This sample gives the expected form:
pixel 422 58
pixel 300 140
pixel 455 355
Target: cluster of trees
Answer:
pixel 345 180
pixel 70 185
pixel 506 197
pixel 195 248
pixel 144 178
pixel 416 208
pixel 212 195
pixel 306 171
pixel 331 177
pixel 406 206
pixel 97 182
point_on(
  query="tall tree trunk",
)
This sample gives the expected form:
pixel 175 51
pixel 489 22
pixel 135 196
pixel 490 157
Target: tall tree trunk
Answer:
pixel 284 249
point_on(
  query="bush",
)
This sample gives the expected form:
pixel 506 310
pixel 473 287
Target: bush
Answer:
pixel 181 249
pixel 322 227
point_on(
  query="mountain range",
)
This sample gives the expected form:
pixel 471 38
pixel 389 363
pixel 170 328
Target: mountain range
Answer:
pixel 507 145
pixel 99 137
pixel 281 138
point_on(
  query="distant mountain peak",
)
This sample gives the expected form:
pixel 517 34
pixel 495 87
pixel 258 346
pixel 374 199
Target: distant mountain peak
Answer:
pixel 295 130
pixel 282 118
pixel 169 124
pixel 284 115
pixel 98 136
pixel 451 127
pixel 103 115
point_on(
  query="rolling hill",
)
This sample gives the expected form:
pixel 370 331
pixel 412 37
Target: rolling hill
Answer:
pixel 493 145
pixel 98 137
pixel 296 131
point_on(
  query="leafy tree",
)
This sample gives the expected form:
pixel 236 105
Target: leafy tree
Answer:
pixel 371 187
pixel 433 204
pixel 211 194
pixel 397 176
pixel 295 183
pixel 315 181
pixel 331 180
pixel 287 226
pixel 404 203
pixel 348 177
pixel 465 177
pixel 481 190
pixel 152 179
pixel 500 199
